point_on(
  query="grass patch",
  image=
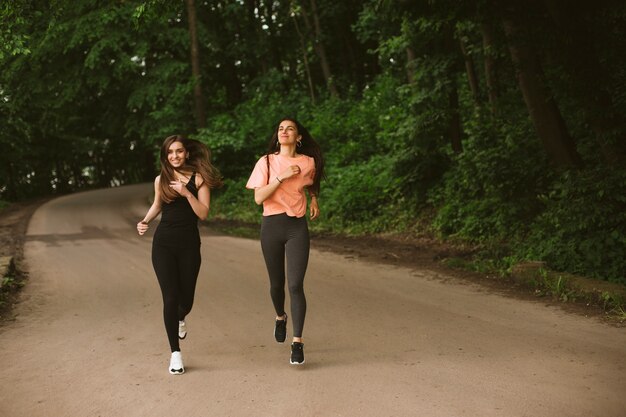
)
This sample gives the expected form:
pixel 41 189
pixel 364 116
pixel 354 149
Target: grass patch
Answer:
pixel 543 282
pixel 8 290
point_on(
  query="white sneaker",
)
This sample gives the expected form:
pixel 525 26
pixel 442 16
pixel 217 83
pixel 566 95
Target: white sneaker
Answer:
pixel 182 329
pixel 176 364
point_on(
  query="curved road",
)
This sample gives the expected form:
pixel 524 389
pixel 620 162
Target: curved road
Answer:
pixel 380 341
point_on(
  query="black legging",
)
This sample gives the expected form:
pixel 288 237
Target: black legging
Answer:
pixel 283 235
pixel 177 270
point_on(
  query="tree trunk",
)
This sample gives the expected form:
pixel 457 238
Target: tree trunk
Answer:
pixel 590 80
pixel 454 129
pixel 305 59
pixel 257 34
pixel 11 193
pixel 350 61
pixel 195 65
pixel 316 30
pixel 491 77
pixel 270 44
pixel 471 72
pixel 542 108
pixel 410 65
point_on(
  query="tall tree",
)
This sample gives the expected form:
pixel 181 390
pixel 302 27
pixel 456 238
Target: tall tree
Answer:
pixel 489 53
pixel 470 69
pixel 410 64
pixel 455 128
pixel 542 107
pixel 195 65
pixel 305 58
pixel 312 22
pixel 591 81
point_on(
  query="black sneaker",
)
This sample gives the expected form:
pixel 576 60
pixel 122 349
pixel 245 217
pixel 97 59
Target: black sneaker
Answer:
pixel 280 330
pixel 297 353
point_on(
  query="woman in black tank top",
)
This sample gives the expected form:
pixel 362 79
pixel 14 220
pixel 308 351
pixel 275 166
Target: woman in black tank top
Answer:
pixel 182 196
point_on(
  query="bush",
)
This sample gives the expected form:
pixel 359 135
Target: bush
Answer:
pixel 238 138
pixel 583 227
pixel 362 197
pixel 490 192
pixel 234 202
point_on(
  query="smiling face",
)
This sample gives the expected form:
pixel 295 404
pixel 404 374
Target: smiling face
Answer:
pixel 176 154
pixel 288 133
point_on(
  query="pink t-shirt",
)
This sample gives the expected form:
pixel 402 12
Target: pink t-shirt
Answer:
pixel 289 197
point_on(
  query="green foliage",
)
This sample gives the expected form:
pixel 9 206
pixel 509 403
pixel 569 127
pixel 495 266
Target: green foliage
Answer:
pixel 583 226
pixel 238 138
pixel 89 89
pixel 419 131
pixel 554 285
pixel 614 304
pixel 357 197
pixel 13 36
pixel 353 129
pixel 234 202
pixel 490 192
pixel 9 282
pixel 64 103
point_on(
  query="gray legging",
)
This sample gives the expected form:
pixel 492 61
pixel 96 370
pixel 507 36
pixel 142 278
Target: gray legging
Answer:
pixel 283 235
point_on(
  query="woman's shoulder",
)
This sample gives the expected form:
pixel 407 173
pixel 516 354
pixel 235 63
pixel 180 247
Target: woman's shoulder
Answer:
pixel 265 158
pixel 199 180
pixel 310 159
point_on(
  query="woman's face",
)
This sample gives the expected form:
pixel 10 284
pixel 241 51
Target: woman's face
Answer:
pixel 176 154
pixel 288 133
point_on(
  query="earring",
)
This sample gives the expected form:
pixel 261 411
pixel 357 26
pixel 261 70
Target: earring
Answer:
pixel 299 144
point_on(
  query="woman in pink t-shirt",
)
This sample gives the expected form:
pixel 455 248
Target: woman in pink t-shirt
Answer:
pixel 292 164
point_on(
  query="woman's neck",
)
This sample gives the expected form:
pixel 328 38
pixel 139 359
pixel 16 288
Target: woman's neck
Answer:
pixel 180 173
pixel 288 150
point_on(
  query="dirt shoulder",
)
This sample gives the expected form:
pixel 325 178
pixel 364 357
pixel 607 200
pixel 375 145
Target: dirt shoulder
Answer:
pixel 13 224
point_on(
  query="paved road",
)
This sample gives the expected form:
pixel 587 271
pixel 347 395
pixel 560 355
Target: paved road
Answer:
pixel 380 340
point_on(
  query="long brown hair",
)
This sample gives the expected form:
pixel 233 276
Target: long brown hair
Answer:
pixel 198 160
pixel 308 147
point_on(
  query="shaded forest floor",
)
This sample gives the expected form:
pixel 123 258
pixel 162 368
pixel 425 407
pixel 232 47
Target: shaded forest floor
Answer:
pixel 394 250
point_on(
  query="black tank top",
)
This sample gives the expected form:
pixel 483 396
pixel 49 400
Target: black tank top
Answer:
pixel 179 223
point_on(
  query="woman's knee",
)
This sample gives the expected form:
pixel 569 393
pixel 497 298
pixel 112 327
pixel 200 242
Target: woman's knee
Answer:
pixel 296 288
pixel 170 302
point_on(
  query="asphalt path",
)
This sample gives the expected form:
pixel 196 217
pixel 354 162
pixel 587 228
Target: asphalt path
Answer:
pixel 89 340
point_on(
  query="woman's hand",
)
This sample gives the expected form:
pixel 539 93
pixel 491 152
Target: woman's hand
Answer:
pixel 142 227
pixel 314 208
pixel 289 172
pixel 180 188
pixel 262 193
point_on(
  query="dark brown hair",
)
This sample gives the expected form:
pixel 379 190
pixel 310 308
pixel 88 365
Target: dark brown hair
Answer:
pixel 309 147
